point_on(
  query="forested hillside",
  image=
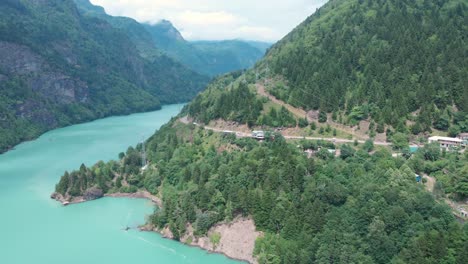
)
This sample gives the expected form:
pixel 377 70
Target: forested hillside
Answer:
pixel 356 208
pixel 232 98
pixel 208 57
pixel 378 58
pixel 205 57
pixel 59 67
pixel 362 205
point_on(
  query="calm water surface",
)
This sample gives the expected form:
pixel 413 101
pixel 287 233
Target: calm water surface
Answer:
pixel 36 229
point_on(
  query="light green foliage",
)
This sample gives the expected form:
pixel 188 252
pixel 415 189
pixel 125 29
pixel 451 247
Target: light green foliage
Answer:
pixel 400 141
pixel 215 238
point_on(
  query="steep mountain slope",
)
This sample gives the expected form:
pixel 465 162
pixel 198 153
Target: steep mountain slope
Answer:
pixel 361 206
pixel 134 30
pixel 59 68
pixel 393 75
pixel 209 58
pixel 229 55
pixel 385 59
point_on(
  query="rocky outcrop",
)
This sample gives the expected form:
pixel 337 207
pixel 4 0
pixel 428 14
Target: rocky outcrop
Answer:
pixel 67 199
pixel 236 238
pixel 59 67
pixel 20 61
pixel 93 193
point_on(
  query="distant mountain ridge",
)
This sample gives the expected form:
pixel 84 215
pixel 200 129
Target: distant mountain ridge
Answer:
pixel 59 67
pixel 206 57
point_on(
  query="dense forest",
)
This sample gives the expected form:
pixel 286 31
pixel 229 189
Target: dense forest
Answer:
pixel 232 97
pixel 59 67
pixel 357 207
pixel 386 59
pixel 361 206
pixel 205 57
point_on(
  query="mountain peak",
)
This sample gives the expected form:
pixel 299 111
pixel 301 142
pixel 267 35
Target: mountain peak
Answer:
pixel 89 8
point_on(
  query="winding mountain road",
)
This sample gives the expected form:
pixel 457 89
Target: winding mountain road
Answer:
pixel 243 134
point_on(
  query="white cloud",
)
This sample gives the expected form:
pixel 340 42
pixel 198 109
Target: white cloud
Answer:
pixel 266 20
pixel 195 18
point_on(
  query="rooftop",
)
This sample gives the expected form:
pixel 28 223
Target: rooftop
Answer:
pixel 437 138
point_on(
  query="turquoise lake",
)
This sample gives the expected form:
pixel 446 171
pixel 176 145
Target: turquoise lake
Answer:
pixel 37 229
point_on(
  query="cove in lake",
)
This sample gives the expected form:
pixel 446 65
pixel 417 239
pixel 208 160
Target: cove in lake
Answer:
pixel 37 229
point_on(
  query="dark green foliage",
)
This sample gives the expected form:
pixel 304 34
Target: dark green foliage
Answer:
pixel 281 118
pixel 302 122
pixel 237 103
pixel 400 141
pixel 365 208
pixel 99 65
pixel 377 58
pixel 442 122
pixel 313 126
pixel 322 117
pixel 347 151
pixel 368 145
pixel 102 176
pixel 358 207
pixel 431 151
pixel 454 131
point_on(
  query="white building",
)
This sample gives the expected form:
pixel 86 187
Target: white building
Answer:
pixel 447 143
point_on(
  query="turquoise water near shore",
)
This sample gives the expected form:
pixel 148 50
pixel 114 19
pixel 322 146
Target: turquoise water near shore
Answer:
pixel 36 229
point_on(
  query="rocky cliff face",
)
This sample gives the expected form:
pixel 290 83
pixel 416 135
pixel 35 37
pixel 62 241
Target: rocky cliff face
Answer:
pixel 59 67
pixel 40 79
pixel 20 61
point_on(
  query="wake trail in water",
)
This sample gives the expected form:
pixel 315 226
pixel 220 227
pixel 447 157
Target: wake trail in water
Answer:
pixel 173 251
pixel 157 245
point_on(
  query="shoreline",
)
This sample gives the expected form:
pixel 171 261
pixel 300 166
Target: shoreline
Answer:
pixel 204 242
pixel 138 195
pixel 227 230
pixel 151 109
pixel 65 201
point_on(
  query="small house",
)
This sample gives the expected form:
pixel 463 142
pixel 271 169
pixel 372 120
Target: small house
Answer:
pixel 446 143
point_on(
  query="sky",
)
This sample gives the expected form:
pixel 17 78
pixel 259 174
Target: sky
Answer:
pixel 262 20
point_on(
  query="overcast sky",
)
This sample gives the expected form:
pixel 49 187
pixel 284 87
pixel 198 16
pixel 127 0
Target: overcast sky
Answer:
pixel 265 20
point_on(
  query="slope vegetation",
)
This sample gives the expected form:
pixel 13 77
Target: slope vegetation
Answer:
pixel 383 59
pixel 361 206
pixel 205 57
pixel 59 67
